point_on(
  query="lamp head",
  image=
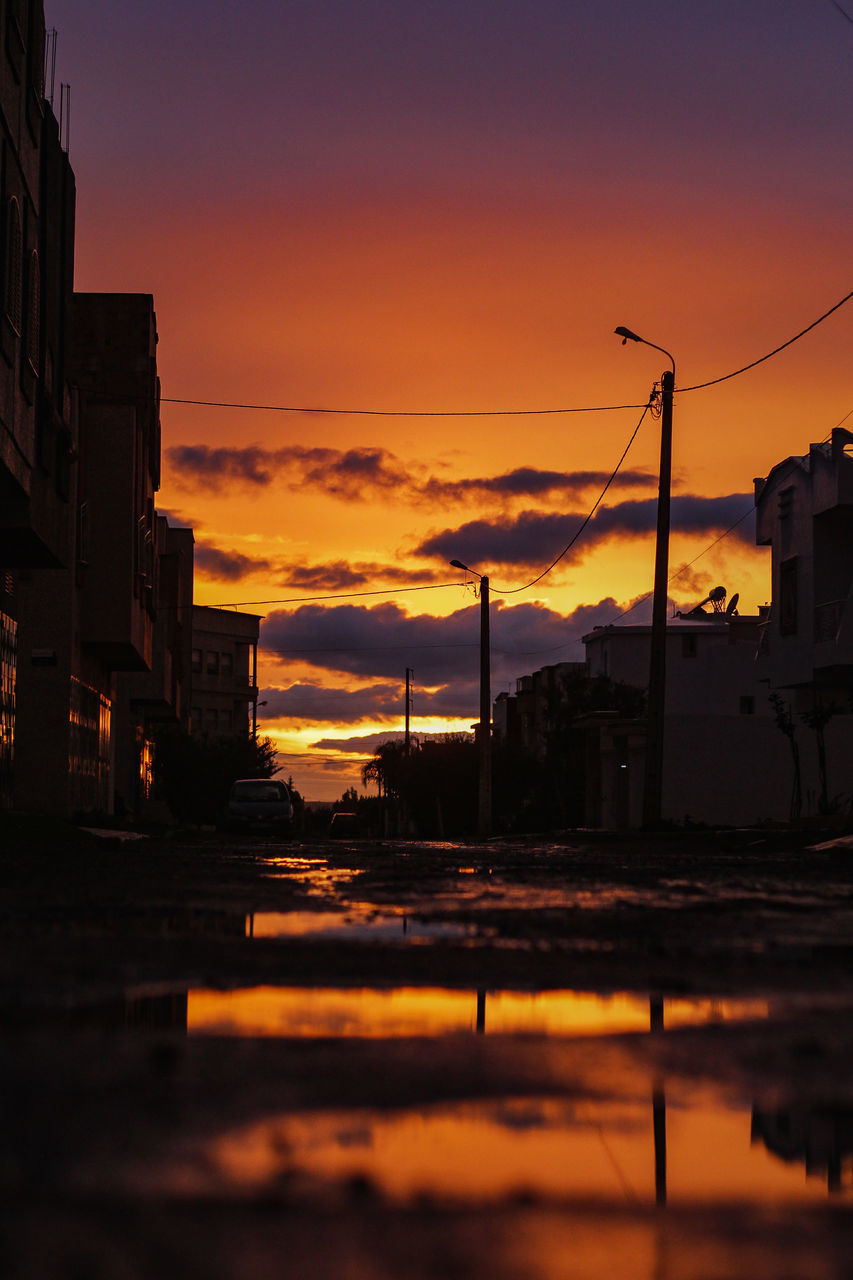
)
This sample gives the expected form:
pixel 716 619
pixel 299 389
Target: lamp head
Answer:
pixel 457 564
pixel 625 334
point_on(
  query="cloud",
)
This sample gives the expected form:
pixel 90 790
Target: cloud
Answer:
pixel 533 538
pixel 319 704
pixel 177 519
pixel 227 566
pixel 380 641
pixel 368 742
pixel 360 474
pixel 338 575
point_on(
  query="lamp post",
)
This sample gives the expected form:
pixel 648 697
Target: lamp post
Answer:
pixel 484 806
pixel 653 783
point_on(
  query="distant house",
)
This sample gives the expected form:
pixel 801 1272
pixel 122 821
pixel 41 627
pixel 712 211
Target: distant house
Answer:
pixel 804 511
pixel 224 672
pixel 528 716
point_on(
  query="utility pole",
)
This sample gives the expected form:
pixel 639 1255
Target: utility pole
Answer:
pixel 652 803
pixel 484 808
pixel 484 730
pixel 653 781
pixel 409 674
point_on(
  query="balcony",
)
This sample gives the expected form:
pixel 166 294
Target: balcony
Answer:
pixel 833 633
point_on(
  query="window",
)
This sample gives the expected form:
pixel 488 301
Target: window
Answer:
pixel 33 313
pixel 83 533
pixel 226 721
pixel 212 663
pixel 196 664
pixel 689 646
pixel 14 267
pixel 786 519
pixel 788 597
pixel 747 705
pixel 227 664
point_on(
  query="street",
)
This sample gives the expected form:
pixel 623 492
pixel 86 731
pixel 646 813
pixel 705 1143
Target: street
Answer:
pixel 587 1056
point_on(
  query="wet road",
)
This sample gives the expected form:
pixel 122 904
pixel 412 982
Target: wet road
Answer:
pixel 369 1060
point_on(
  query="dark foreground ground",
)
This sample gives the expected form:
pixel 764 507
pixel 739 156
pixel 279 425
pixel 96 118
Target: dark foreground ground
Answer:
pixel 365 1061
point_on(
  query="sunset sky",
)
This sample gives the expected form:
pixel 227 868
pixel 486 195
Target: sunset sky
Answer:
pixel 419 205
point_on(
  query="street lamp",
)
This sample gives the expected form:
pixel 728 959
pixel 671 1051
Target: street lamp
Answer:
pixel 657 661
pixel 484 807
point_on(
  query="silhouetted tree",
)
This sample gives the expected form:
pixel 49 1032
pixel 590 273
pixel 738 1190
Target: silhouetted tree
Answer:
pixel 817 719
pixel 193 774
pixel 785 723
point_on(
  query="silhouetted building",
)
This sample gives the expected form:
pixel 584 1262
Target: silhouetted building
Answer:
pixel 804 511
pixel 84 562
pixel 81 624
pixel 725 761
pixel 533 712
pixel 36 195
pixel 224 671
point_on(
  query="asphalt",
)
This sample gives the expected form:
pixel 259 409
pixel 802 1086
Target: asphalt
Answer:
pixel 375 1059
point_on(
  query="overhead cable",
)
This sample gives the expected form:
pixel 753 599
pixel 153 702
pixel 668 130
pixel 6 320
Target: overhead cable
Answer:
pixel 500 413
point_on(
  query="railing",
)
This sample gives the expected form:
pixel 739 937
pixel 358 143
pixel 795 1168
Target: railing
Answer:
pixel 827 620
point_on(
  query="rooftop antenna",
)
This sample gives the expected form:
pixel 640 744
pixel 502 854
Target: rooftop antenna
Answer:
pixel 64 115
pixel 50 63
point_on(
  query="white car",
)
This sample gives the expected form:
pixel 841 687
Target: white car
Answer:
pixel 260 804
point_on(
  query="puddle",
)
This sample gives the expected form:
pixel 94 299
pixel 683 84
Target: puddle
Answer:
pixel 361 922
pixel 374 1013
pixel 313 872
pixel 698 1149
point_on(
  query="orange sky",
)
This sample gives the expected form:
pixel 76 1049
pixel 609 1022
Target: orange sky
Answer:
pixel 457 216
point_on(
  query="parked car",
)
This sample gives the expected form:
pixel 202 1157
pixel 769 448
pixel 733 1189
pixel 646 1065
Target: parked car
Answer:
pixel 258 804
pixel 344 826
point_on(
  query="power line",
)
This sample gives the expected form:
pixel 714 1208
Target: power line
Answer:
pixel 499 413
pixel 504 591
pixel 339 595
pixel 402 413
pixel 714 381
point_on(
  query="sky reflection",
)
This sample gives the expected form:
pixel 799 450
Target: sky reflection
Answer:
pixel 432 1011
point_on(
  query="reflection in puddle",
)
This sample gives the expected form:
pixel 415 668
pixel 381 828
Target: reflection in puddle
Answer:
pixel 589 1149
pixel 433 1011
pixel 316 873
pixel 360 922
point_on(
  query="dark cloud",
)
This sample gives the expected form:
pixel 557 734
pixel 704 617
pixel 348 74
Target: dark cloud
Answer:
pixel 379 642
pixel 368 742
pixel 533 538
pixel 316 704
pixel 338 575
pixel 527 482
pixel 358 475
pixel 177 519
pixel 348 474
pixel 228 566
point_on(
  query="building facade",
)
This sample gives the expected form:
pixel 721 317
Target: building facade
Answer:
pixel 224 672
pixel 145 701
pixel 26 540
pixel 725 761
pixel 804 513
pixel 91 618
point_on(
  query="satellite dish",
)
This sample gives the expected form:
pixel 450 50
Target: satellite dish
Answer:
pixel 731 608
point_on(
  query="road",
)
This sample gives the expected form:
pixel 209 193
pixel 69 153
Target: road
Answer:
pixel 538 1058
